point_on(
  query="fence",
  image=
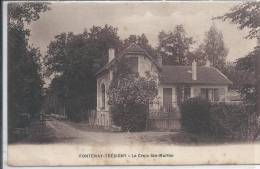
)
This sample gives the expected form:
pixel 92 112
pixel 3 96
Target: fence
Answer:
pixel 164 117
pixel 99 118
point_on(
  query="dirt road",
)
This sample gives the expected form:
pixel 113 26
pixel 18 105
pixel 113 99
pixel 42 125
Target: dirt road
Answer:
pixel 68 132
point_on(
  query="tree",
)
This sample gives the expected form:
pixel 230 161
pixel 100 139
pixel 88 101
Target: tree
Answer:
pixel 73 60
pixel 199 55
pixel 174 47
pixel 214 48
pixel 19 13
pixel 24 78
pixel 246 68
pixel 129 96
pixel 142 41
pixel 247 15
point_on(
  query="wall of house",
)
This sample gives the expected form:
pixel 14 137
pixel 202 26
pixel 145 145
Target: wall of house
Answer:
pixel 103 79
pixel 223 90
pixel 145 65
pixel 195 91
pixel 102 116
pixel 159 98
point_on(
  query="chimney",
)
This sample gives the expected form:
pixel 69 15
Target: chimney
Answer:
pixel 111 54
pixel 207 63
pixel 194 70
pixel 159 59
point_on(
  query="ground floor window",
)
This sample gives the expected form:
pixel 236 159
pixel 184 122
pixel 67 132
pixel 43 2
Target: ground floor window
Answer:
pixel 211 94
pixel 186 92
pixel 103 96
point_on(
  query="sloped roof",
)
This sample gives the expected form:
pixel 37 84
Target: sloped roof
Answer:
pixel 182 74
pixel 131 49
pixel 134 48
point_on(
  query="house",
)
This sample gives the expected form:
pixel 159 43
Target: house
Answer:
pixel 175 83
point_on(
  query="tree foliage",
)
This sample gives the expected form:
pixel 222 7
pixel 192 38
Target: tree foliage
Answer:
pixel 129 96
pixel 245 15
pixel 127 87
pixel 19 13
pixel 174 47
pixel 141 41
pixel 24 77
pixel 213 49
pixel 73 60
pixel 246 66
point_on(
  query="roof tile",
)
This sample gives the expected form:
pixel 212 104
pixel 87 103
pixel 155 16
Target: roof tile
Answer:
pixel 183 74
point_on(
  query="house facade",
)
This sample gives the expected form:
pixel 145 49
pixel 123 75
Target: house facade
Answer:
pixel 175 83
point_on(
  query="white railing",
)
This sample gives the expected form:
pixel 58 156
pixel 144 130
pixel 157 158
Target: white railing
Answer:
pixel 159 111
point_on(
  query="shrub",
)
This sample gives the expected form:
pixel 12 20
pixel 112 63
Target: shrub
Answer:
pixel 195 115
pixel 129 95
pixel 231 120
pixel 131 117
pixel 218 119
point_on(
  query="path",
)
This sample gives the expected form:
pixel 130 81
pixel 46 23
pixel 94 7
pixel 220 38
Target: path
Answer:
pixel 66 132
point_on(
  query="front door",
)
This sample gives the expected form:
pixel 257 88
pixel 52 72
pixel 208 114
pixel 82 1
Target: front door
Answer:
pixel 167 98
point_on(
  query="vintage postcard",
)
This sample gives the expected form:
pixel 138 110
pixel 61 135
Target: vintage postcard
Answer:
pixel 131 83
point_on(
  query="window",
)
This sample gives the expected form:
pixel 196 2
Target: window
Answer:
pixel 103 96
pixel 133 64
pixel 187 92
pixel 216 94
pixel 211 94
pixel 167 99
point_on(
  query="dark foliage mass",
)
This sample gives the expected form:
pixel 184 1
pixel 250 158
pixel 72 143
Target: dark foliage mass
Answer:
pixel 246 16
pixel 129 96
pixel 195 115
pixel 24 77
pixel 73 60
pixel 131 117
pixel 243 75
pixel 219 119
pixel 235 121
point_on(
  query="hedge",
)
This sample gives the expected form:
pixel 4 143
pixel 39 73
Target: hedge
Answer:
pixel 131 117
pixel 219 119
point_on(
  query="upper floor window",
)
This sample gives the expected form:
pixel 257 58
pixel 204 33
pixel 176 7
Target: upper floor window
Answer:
pixel 133 64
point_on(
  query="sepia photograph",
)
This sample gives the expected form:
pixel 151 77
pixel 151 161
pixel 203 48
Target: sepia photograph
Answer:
pixel 131 83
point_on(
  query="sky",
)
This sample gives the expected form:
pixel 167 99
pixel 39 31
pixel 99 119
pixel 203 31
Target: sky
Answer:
pixel 135 18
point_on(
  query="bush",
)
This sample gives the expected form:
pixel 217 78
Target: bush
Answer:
pixel 232 120
pixel 129 95
pixel 218 119
pixel 195 115
pixel 131 117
